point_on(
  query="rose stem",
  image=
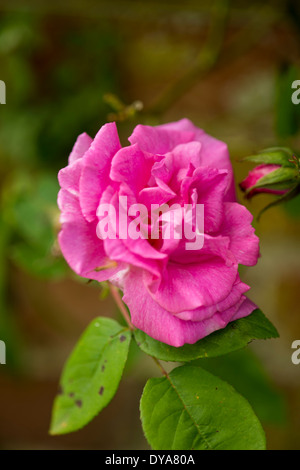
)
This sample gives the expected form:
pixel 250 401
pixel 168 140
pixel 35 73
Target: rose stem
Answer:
pixel 115 293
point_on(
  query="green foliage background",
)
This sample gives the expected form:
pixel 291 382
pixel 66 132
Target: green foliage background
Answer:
pixel 69 68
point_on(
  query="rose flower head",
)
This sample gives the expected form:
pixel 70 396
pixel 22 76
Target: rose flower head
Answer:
pixel 180 282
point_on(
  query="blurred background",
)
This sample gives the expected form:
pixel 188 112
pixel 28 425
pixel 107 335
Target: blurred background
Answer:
pixel 70 67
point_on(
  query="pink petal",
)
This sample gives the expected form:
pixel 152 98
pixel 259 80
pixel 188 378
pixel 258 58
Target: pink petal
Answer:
pixel 138 252
pixel 245 309
pixel 183 125
pixel 69 176
pixel 96 167
pixel 189 286
pixel 214 153
pixel 155 195
pixel 81 145
pixel 211 185
pixel 202 313
pixel 161 325
pixel 177 164
pixel 213 246
pixel 118 251
pixel 158 140
pixel 244 244
pixel 132 167
pixel 81 247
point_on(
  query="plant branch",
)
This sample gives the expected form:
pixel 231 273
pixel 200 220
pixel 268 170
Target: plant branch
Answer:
pixel 163 371
pixel 115 293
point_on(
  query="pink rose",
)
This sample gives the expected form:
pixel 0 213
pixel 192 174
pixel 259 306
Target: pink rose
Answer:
pixel 175 295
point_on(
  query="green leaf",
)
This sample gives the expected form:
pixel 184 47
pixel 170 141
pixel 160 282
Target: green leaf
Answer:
pixel 273 155
pixel 235 336
pixel 91 375
pixel 244 371
pixel 192 409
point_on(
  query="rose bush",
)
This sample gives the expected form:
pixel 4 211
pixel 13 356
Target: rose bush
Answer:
pixel 174 295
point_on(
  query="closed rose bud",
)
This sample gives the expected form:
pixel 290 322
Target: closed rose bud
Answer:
pixel 278 173
pixel 257 180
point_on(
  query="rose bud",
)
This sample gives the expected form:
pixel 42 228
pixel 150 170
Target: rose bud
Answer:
pixel 255 180
pixel 278 173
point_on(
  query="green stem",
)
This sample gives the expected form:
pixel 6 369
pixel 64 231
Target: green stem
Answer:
pixel 163 371
pixel 115 293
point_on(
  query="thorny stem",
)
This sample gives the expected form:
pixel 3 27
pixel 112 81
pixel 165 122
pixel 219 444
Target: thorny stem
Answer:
pixel 115 293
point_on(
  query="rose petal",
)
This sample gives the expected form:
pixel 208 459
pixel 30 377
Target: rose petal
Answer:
pixel 80 246
pixel 244 244
pixel 202 313
pixel 214 153
pixel 81 145
pixel 158 140
pixel 189 286
pixel 161 325
pixel 210 185
pixel 132 167
pixel 96 168
pixel 69 177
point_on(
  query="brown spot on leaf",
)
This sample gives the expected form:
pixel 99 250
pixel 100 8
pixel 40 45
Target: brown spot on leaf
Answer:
pixel 60 390
pixel 101 390
pixel 78 403
pixel 71 395
pixel 103 368
pixel 122 338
